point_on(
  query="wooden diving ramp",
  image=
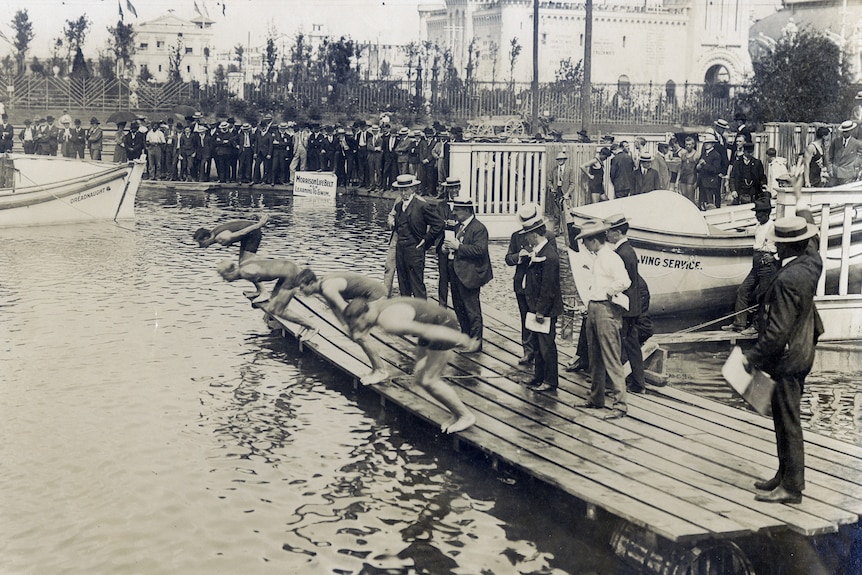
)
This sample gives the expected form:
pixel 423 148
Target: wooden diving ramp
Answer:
pixel 678 468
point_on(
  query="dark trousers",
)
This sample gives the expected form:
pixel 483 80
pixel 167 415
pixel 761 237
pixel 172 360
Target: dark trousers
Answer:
pixel 30 147
pixel 410 268
pixel 465 302
pixel 711 196
pixel 528 338
pixel 547 369
pixel 443 281
pixel 786 402
pixel 583 349
pixel 246 159
pixel 222 162
pixel 279 168
pixel 763 268
pixel 630 339
pixel 205 169
pixel 262 169
pixel 362 168
pixel 389 173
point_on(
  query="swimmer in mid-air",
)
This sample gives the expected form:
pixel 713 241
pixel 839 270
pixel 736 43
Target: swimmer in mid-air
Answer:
pixel 438 331
pixel 247 232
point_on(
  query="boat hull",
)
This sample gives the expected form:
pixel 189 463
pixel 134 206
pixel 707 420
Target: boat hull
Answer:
pixel 49 191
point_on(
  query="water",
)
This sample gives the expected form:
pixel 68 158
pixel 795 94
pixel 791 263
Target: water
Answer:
pixel 152 424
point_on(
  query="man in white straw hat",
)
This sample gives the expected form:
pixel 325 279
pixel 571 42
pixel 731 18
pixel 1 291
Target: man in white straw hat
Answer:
pixel 605 306
pixel 844 158
pixel 518 255
pixel 788 329
pixel 416 224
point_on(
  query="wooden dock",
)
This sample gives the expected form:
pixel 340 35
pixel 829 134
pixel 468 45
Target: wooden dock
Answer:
pixel 678 467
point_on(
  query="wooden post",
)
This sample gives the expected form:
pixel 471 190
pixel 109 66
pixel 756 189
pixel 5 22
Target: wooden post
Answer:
pixel 586 87
pixel 534 88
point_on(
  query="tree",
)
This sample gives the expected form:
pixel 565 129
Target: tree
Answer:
pixel 300 59
pixel 79 65
pixel 270 59
pixel 569 76
pixel 493 52
pixel 122 43
pixel 472 60
pixel 8 66
pixel 239 52
pixel 74 35
pixel 338 56
pixel 23 36
pixel 514 52
pixel 175 60
pixel 803 79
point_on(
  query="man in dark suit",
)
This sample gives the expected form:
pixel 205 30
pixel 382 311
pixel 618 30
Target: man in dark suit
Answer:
pixel 622 170
pixel 262 167
pixel 747 177
pixel 246 143
pixel 710 169
pixel 468 266
pixel 134 142
pixel 646 179
pixel 544 300
pixel 518 256
pixel 79 139
pixel 844 155
pixel 390 157
pixel 416 224
pixel 629 335
pixel 315 145
pixel 788 329
pixel 7 134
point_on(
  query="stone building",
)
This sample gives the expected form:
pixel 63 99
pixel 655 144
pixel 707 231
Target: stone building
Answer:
pixel 695 41
pixel 156 41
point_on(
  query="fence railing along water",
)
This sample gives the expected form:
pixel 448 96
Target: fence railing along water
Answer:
pixel 645 104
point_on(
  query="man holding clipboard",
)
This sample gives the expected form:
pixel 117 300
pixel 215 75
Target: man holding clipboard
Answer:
pixel 544 301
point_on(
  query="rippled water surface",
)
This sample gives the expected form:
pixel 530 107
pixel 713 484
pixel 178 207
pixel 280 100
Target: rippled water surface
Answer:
pixel 151 423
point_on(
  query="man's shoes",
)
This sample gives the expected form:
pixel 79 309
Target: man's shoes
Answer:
pixel 589 405
pixel 615 414
pixel 779 495
pixel 545 387
pixel 640 390
pixel 731 327
pixel 532 382
pixel 767 484
pixel 750 330
pixel 525 359
pixel 578 365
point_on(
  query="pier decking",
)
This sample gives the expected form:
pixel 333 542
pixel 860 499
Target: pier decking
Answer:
pixel 678 466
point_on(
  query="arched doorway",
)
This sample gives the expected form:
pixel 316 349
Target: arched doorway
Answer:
pixel 717 81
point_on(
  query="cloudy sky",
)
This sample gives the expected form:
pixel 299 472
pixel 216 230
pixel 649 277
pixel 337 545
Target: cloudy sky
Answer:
pixel 389 21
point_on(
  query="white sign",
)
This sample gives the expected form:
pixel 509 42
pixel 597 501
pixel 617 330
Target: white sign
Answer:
pixel 315 185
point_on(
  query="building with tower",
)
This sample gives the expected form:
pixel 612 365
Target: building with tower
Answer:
pixel 641 41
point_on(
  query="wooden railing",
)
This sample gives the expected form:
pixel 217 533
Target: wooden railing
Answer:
pixel 839 292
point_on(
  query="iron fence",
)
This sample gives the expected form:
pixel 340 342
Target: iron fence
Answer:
pixel 620 104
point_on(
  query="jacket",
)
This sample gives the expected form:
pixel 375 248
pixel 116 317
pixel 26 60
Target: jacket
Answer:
pixel 622 171
pixel 423 220
pixel 472 262
pixel 543 283
pixel 633 292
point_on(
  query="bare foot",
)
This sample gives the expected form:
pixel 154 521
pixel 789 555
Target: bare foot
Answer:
pixel 251 294
pixel 461 423
pixel 445 425
pixel 261 298
pixel 308 333
pixel 376 376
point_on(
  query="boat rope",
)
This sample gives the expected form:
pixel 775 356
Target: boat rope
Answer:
pixel 714 321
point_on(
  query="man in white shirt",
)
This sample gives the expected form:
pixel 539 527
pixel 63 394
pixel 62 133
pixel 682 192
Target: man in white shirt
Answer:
pixel 605 306
pixel 155 144
pixel 763 267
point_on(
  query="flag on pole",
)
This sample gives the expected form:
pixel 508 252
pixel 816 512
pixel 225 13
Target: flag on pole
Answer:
pixel 131 8
pixel 120 8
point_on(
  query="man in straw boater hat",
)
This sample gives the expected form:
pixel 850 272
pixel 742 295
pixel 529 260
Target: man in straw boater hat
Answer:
pixel 438 333
pixel 518 255
pixel 541 285
pixel 788 328
pixel 450 188
pixel 844 158
pixel 416 224
pixel 465 250
pixel 606 303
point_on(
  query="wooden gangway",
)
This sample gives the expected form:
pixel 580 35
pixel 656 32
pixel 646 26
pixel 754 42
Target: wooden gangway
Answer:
pixel 678 466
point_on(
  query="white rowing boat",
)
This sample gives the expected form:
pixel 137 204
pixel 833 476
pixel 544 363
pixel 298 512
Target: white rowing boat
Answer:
pixel 46 190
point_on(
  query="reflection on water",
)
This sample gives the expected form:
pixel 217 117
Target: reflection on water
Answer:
pixel 152 424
